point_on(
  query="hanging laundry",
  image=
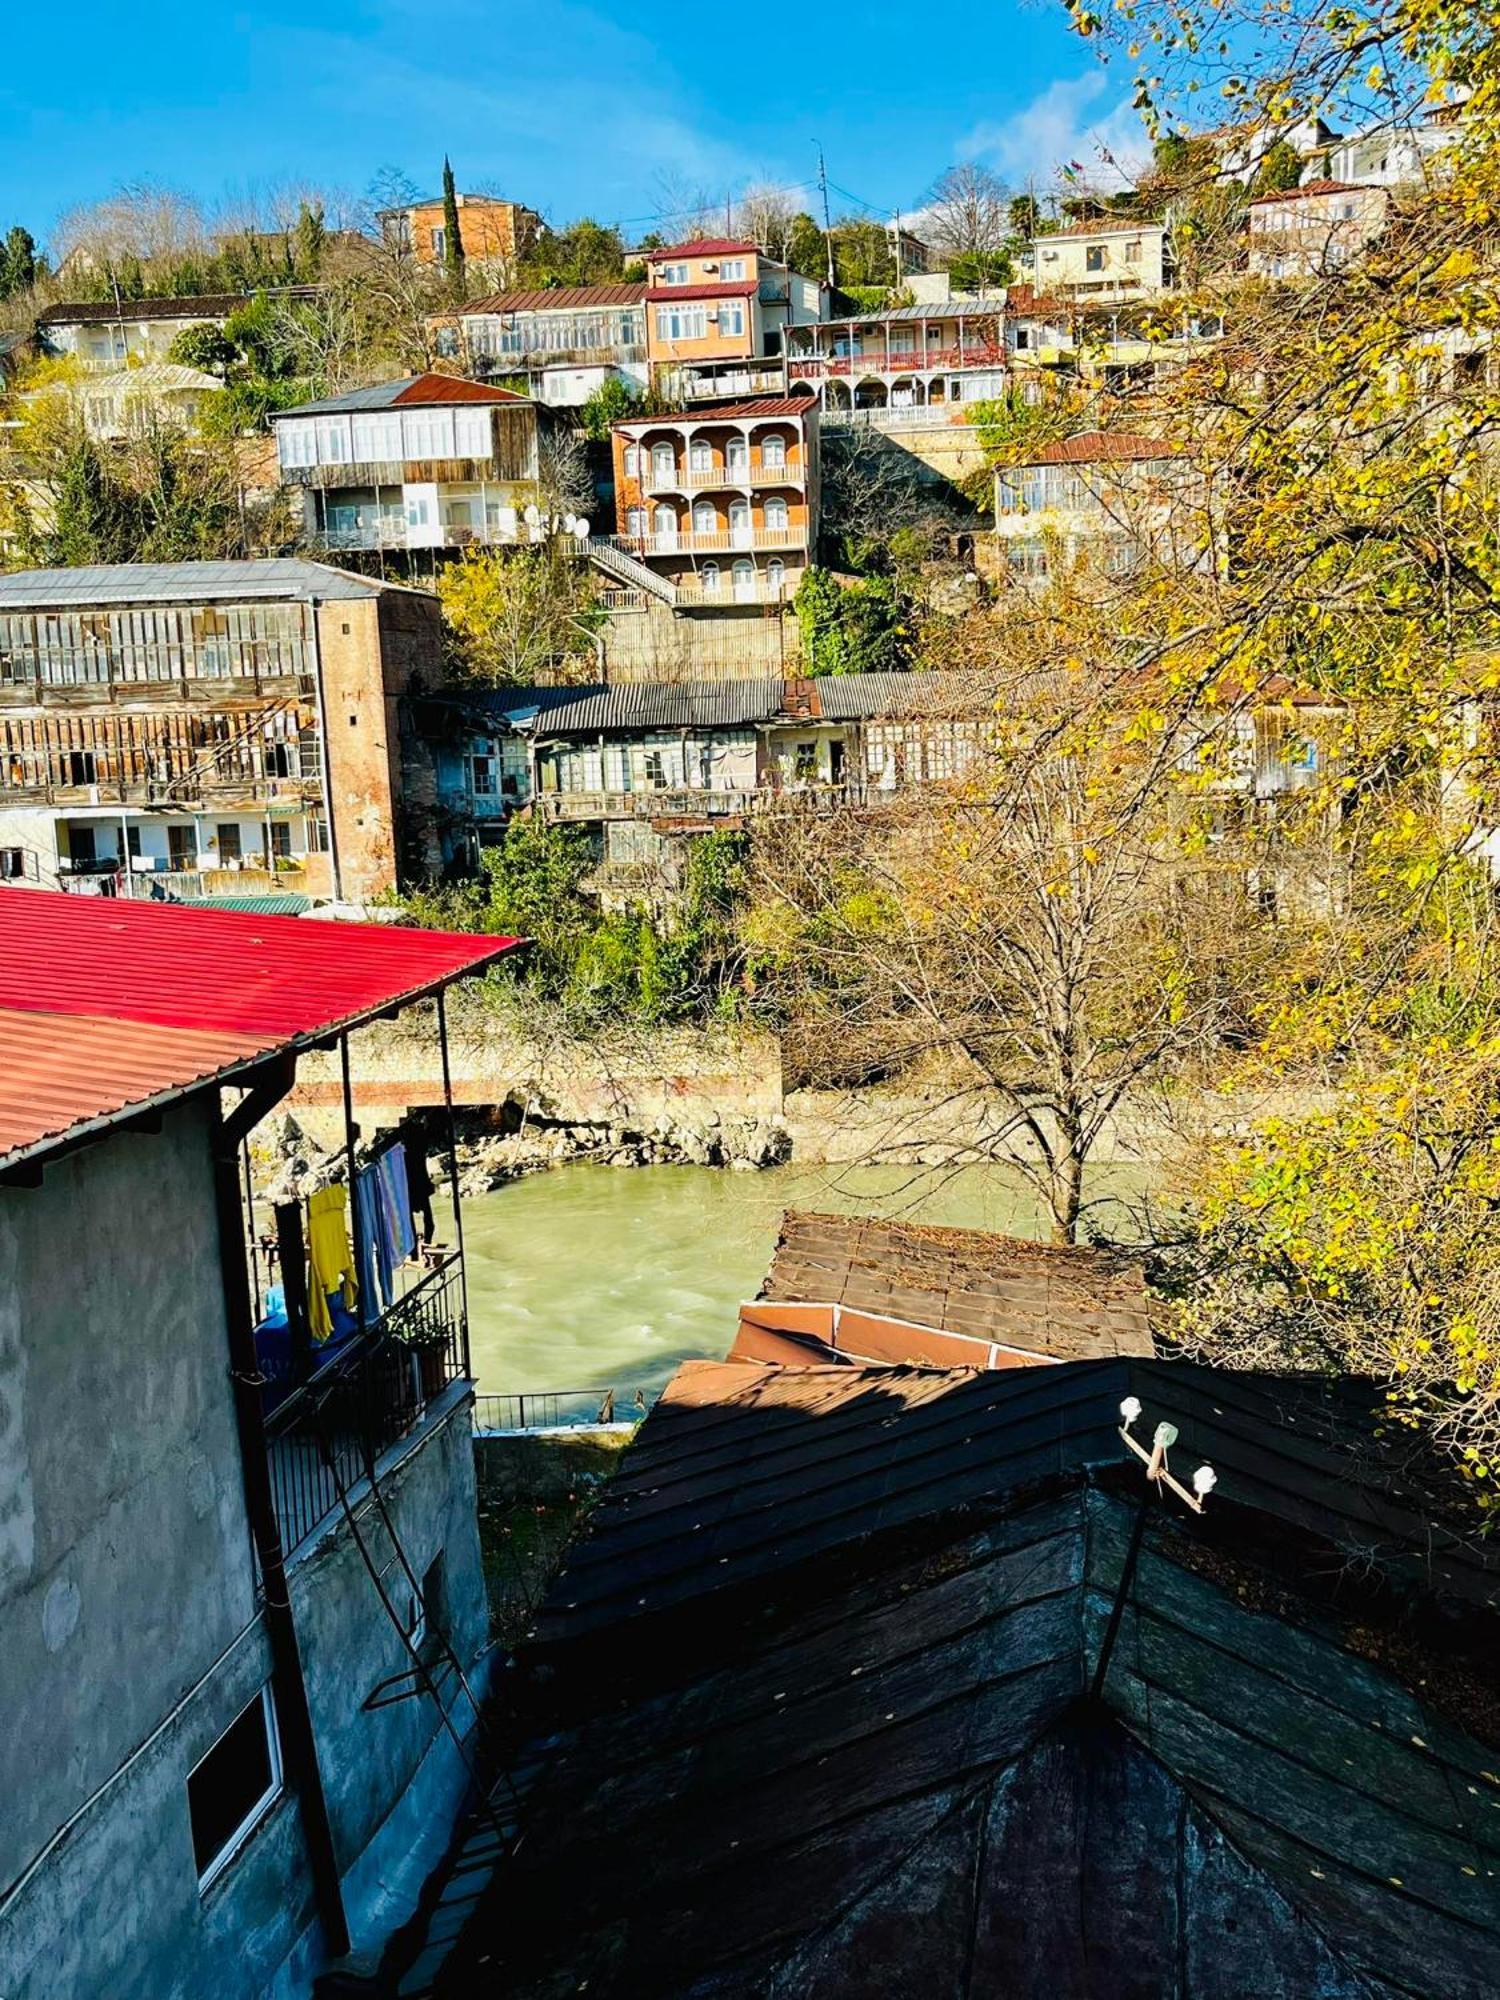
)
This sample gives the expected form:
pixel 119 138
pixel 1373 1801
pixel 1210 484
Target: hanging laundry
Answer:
pixel 330 1259
pixel 375 1268
pixel 395 1203
pixel 419 1185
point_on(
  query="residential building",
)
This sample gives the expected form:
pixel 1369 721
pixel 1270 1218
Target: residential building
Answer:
pixel 122 403
pixel 1314 230
pixel 563 344
pixel 971 1681
pixel 905 358
pixel 716 312
pixel 1108 257
pixel 103 336
pixel 1395 153
pixel 1109 499
pixel 720 505
pixel 201 729
pixel 243 1628
pixel 496 234
pixel 429 462
pixel 1126 349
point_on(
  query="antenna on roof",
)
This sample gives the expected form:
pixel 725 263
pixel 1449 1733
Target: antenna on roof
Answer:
pixel 1155 1460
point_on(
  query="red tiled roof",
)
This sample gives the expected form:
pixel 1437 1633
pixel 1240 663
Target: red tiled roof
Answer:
pixel 1088 447
pixel 762 406
pixel 562 298
pixel 705 246
pixel 665 294
pixel 1311 188
pixel 1022 299
pixel 108 1006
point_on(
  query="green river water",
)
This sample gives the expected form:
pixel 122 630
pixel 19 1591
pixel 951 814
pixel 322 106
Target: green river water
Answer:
pixel 592 1277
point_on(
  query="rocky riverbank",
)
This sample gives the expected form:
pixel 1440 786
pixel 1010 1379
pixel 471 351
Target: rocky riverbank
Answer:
pixel 489 1160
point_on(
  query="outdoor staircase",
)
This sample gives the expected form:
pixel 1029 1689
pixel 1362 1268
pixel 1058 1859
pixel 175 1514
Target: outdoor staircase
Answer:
pixel 626 570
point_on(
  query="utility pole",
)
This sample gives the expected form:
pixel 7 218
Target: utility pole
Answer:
pixel 899 273
pixel 827 223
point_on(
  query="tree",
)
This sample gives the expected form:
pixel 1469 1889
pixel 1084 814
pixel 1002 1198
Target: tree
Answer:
pixel 852 628
pixel 968 213
pixel 764 216
pixel 453 242
pixel 1024 214
pixel 204 347
pixel 1279 169
pixel 585 253
pixel 519 616
pixel 806 249
pixel 862 254
pixel 18 262
pixel 613 400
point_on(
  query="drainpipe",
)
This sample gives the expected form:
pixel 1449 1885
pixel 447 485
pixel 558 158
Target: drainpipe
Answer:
pixel 315 605
pixel 294 1716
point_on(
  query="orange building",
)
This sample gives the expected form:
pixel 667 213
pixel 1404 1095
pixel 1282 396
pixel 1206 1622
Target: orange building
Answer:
pixel 716 311
pixel 494 232
pixel 721 502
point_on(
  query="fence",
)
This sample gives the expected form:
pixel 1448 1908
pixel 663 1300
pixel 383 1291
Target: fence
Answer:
pixel 559 1409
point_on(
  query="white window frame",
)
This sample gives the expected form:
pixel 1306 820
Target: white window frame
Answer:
pixel 773 452
pixel 377 437
pixel 257 1813
pixel 632 461
pixel 672 274
pixel 681 323
pixel 777 515
pixel 732 270
pixel 731 317
pixel 471 433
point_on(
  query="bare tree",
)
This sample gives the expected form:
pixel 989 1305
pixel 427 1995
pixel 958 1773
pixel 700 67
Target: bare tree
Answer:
pixel 764 215
pixel 967 212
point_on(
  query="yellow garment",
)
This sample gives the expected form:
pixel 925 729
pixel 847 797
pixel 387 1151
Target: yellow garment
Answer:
pixel 329 1255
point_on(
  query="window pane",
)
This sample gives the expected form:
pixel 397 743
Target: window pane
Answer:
pixel 235 1781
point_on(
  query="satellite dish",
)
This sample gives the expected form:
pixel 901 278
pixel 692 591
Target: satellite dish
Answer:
pixel 570 525
pixel 532 516
pixel 581 529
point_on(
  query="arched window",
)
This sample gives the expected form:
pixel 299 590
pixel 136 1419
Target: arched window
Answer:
pixel 776 514
pixel 635 521
pixel 773 452
pixel 705 520
pixel 709 575
pixel 744 581
pixel 665 521
pixel 663 461
pixel 737 456
pixel 775 577
pixel 701 455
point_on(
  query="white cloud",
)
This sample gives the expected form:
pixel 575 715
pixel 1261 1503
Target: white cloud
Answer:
pixel 1072 120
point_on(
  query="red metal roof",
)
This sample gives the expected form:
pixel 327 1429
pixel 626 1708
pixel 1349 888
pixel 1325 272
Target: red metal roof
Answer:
pixel 559 298
pixel 660 295
pixel 108 1006
pixel 706 246
pixel 1313 188
pixel 709 413
pixel 1089 447
pixel 452 389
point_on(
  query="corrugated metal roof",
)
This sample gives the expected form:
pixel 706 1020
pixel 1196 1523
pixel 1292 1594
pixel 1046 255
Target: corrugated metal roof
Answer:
pixel 206 305
pixel 967 307
pixel 668 294
pixel 582 711
pixel 1094 447
pixel 181 583
pixel 705 246
pixel 289 905
pixel 430 388
pixel 790 407
pixel 1312 188
pixel 868 697
pixel 109 1005
pixel 562 298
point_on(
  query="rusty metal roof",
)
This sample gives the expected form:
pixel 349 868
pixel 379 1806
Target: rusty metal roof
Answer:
pixel 561 298
pixel 287 577
pixel 708 413
pixel 739 288
pixel 705 246
pixel 1094 447
pixel 110 1006
pixel 430 388
pixel 1071 1304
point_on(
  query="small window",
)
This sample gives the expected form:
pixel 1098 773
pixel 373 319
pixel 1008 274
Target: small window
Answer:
pixel 773 452
pixel 234 1787
pixel 229 842
pixel 732 318
pixel 182 847
pixel 632 461
pixel 806 767
pixel 281 840
pixel 1133 251
pixel 673 274
pixel 655 769
pixel 439 242
pixel 732 270
pixel 709 576
pixel 483 776
pixel 82 769
pixel 1023 339
pixel 12 863
pixel 1093 257
pixel 279 760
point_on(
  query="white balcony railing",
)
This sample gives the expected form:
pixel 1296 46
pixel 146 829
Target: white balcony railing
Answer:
pixel 734 541
pixel 681 480
pixel 734 590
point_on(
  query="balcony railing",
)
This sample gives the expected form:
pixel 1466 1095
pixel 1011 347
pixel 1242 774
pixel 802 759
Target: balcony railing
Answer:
pixel 695 383
pixel 687 542
pixel 667 802
pixel 732 590
pixel 402 535
pixel 682 480
pixel 183 885
pixel 325 1436
pixel 972 354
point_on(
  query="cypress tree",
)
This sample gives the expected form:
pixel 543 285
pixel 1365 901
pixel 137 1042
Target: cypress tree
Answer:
pixel 453 243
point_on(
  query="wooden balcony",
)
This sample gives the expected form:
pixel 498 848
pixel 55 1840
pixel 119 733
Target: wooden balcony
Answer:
pixel 720 477
pixel 730 541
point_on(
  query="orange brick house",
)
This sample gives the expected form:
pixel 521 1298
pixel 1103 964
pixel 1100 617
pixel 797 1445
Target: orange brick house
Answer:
pixel 716 309
pixel 721 502
pixel 495 233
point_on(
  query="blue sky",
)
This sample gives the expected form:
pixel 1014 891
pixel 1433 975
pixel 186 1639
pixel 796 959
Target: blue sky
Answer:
pixel 566 106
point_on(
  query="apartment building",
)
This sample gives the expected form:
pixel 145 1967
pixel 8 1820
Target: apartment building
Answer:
pixel 1109 257
pixel 429 462
pixel 563 343
pixel 1106 500
pixel 716 311
pixel 105 336
pixel 906 358
pixel 1314 230
pixel 495 233
pixel 721 504
pixel 196 730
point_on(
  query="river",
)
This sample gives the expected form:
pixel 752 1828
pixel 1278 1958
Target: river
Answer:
pixel 592 1277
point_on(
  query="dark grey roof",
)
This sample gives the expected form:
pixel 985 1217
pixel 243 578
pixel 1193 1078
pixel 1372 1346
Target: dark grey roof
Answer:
pixel 583 711
pixel 864 697
pixel 181 583
pixel 380 396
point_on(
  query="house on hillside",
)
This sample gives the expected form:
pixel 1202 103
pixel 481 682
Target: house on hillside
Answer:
pixel 243 1627
pixel 495 233
pixel 1109 499
pixel 721 503
pixel 103 336
pixel 1107 257
pixel 717 310
pixel 429 462
pixel 906 358
pixel 1314 230
pixel 129 400
pixel 565 343
pixel 191 730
